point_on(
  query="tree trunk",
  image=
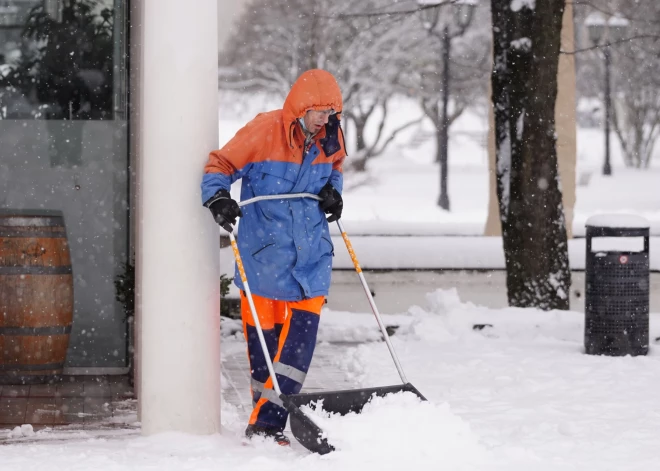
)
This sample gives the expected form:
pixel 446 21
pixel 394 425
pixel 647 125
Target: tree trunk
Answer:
pixel 524 80
pixel 433 113
pixel 360 163
pixel 441 153
pixel 360 124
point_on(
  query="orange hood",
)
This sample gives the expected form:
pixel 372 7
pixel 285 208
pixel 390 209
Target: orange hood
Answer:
pixel 315 89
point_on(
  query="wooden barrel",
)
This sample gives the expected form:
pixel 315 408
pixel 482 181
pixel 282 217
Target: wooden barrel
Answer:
pixel 36 296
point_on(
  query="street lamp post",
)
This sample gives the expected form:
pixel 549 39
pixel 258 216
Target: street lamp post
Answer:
pixel 443 199
pixel 602 31
pixel 462 11
pixel 607 166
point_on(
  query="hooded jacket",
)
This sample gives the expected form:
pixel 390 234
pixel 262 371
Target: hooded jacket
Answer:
pixel 285 244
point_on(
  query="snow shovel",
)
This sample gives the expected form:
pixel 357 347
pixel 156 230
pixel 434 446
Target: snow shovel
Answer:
pixel 342 402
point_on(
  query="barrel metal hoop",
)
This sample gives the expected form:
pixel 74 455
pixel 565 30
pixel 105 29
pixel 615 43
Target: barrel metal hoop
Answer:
pixel 32 331
pixel 37 221
pixel 36 270
pixel 46 366
pixel 29 234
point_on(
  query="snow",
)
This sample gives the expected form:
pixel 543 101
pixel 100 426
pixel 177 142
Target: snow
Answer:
pixel 520 125
pixel 517 5
pixel 455 253
pixel 398 195
pixel 504 167
pixel 447 252
pixel 595 18
pixel 508 389
pixel 453 442
pixel 631 221
pixel 25 430
pixel 372 206
pixel 617 244
pixel 396 201
pixel 454 2
pixel 619 21
pixel 515 393
pixel 524 44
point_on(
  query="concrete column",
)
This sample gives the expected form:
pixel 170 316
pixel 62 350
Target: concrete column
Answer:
pixel 565 118
pixel 565 126
pixel 175 125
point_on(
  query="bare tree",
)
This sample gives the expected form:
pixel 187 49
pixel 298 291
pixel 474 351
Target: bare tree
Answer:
pixel 365 53
pixel 636 117
pixel 458 77
pixel 373 69
pixel 635 71
pixel 636 111
pixel 526 42
pixel 269 51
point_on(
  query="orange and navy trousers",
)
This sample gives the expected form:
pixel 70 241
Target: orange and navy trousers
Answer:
pixel 289 329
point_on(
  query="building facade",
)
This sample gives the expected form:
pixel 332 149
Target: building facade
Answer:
pixel 108 109
pixel 64 134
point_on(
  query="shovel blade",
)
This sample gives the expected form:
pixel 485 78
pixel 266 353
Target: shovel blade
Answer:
pixel 336 402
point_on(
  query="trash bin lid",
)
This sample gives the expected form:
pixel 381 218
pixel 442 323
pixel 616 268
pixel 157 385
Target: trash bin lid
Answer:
pixel 620 221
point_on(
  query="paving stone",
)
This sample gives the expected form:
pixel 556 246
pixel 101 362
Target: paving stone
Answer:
pixel 43 390
pixel 91 402
pixel 324 375
pixel 15 391
pixel 41 411
pixel 13 410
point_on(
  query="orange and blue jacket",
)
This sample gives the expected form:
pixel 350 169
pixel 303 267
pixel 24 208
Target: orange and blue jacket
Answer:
pixel 285 244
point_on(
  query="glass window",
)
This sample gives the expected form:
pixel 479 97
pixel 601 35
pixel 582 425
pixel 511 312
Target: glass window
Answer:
pixel 58 59
pixel 64 135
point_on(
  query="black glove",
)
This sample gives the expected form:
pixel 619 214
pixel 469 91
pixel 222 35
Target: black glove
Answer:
pixel 331 202
pixel 224 209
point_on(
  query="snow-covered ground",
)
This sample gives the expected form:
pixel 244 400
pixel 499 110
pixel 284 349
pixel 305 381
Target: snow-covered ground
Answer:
pixel 516 396
pixel 519 395
pixel 398 193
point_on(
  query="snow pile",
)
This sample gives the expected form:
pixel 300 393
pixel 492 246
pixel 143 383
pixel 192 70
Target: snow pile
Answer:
pixel 507 389
pixel 393 431
pixel 521 380
pixel 21 431
pixel 349 327
pixel 445 318
pixel 448 319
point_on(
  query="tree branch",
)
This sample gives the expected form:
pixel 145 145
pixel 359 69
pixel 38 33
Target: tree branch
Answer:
pixel 600 46
pixel 395 132
pixel 612 13
pixel 395 12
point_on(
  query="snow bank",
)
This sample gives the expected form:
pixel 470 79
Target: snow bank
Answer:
pixel 521 380
pixel 508 389
pixel 633 221
pixel 397 430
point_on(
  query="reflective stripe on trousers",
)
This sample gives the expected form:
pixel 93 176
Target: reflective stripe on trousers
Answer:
pixel 280 370
pixel 290 330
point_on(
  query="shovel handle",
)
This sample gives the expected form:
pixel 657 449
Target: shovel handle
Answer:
pixel 253 310
pixel 358 269
pixel 372 303
pixel 315 433
pixel 246 286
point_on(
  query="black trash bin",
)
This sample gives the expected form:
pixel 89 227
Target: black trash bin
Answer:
pixel 617 285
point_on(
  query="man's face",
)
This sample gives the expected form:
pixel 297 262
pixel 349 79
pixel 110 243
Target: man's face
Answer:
pixel 315 120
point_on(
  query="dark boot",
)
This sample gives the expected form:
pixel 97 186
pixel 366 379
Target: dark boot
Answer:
pixel 271 433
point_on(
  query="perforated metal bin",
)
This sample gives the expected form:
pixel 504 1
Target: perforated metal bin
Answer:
pixel 617 285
